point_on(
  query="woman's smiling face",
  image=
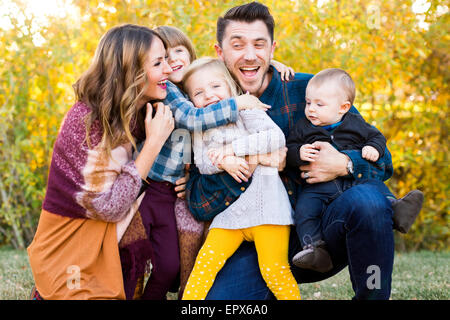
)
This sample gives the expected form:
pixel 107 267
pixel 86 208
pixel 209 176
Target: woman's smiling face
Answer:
pixel 157 70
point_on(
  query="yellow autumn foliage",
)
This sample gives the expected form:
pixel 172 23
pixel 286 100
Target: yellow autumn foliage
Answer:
pixel 398 57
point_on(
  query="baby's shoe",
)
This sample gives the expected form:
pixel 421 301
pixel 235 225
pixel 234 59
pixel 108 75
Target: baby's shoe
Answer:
pixel 406 210
pixel 314 257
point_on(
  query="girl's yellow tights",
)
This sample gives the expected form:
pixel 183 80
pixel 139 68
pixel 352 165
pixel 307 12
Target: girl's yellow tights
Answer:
pixel 271 242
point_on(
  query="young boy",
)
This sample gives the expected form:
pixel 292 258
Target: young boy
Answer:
pixel 329 97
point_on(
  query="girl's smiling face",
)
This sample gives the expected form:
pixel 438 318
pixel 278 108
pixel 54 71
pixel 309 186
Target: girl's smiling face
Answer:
pixel 178 59
pixel 206 87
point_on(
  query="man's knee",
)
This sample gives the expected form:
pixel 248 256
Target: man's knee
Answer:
pixel 369 206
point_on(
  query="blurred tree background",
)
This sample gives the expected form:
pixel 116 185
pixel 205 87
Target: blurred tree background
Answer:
pixel 396 51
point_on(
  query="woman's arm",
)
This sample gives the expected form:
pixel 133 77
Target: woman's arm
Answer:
pixel 112 185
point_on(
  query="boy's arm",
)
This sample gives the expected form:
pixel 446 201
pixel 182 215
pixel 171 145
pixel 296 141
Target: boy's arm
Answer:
pixel 375 138
pixel 364 169
pixel 294 143
pixel 191 118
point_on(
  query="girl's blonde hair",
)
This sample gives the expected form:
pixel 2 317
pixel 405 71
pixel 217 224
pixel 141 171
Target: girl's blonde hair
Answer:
pixel 175 37
pixel 115 83
pixel 215 65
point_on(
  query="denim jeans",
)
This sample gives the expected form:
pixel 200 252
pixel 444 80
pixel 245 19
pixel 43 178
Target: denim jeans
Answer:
pixel 313 200
pixel 357 227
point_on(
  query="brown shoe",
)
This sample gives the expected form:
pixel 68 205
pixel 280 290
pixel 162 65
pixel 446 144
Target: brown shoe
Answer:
pixel 314 258
pixel 406 210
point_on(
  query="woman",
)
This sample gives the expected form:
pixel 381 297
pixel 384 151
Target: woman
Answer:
pixel 90 207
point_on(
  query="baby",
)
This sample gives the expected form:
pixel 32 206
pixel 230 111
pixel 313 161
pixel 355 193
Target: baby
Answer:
pixel 329 97
pixel 262 213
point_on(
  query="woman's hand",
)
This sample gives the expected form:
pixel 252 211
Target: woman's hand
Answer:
pixel 161 125
pixel 285 72
pixel 247 101
pixel 157 130
pixel 236 167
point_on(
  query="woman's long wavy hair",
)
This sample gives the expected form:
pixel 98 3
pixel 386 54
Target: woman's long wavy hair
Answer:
pixel 115 83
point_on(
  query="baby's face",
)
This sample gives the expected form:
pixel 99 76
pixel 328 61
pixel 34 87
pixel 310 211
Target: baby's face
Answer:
pixel 206 87
pixel 324 104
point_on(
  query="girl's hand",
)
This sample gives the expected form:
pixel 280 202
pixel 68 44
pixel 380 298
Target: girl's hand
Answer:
pixel 216 155
pixel 161 125
pixel 370 153
pixel 236 167
pixel 285 72
pixel 308 153
pixel 247 101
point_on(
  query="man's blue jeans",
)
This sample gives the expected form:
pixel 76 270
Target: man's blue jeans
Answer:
pixel 357 228
pixel 313 200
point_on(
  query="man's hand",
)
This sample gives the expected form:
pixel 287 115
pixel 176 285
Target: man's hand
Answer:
pixel 329 165
pixel 275 159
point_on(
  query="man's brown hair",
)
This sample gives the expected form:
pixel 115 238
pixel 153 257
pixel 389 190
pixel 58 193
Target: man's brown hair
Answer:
pixel 249 12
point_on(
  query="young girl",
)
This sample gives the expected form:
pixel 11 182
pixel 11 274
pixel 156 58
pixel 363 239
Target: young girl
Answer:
pixel 169 169
pixel 262 213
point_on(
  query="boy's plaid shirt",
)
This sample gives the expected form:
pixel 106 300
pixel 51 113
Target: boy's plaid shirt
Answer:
pixel 176 151
pixel 208 195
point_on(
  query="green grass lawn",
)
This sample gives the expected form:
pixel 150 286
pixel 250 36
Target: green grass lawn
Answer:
pixel 419 275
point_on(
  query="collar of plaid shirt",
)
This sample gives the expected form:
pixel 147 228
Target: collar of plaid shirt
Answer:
pixel 286 98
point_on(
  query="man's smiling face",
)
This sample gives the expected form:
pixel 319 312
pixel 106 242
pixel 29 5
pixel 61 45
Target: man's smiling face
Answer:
pixel 246 50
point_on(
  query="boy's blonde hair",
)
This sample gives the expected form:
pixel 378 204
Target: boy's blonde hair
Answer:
pixel 341 78
pixel 175 37
pixel 214 64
